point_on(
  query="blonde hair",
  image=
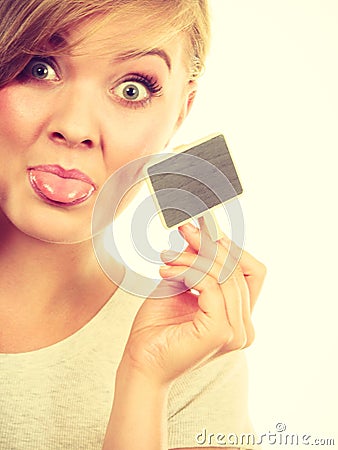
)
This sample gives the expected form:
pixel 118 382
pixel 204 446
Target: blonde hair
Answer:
pixel 30 27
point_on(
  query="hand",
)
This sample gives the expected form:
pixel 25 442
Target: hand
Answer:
pixel 171 335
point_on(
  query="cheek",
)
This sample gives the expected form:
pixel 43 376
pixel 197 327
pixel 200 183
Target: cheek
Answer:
pixel 19 118
pixel 141 133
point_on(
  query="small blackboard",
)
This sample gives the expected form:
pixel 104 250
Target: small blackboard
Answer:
pixel 193 181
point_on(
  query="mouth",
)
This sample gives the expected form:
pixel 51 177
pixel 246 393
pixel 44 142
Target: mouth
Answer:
pixel 60 187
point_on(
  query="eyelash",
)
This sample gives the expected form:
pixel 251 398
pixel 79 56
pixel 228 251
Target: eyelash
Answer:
pixel 149 82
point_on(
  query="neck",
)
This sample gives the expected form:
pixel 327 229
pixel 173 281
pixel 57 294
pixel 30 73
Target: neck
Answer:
pixel 42 273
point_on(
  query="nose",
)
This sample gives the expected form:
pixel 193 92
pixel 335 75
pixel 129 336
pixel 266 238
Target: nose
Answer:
pixel 74 122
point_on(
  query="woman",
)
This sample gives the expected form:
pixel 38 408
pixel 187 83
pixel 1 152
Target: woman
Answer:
pixel 85 88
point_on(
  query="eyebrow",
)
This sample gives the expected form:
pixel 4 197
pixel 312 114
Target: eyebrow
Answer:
pixel 133 54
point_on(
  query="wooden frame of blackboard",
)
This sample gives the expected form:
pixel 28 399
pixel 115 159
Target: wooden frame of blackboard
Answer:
pixel 210 149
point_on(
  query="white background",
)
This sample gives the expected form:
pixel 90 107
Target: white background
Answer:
pixel 271 88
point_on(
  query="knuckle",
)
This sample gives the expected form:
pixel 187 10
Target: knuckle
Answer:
pixel 239 340
pixel 227 337
pixel 238 271
pixel 234 339
pixel 224 336
pixel 231 281
pixel 210 282
pixel 225 272
pixel 199 280
pixel 250 336
pixel 262 269
pixel 217 270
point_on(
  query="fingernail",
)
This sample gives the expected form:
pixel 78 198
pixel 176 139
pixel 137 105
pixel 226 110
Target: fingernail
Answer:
pixel 188 228
pixel 165 270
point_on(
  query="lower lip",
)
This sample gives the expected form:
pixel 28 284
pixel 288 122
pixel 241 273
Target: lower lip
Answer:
pixel 59 191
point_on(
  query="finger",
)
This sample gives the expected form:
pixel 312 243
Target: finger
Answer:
pixel 228 262
pixel 204 283
pixel 234 307
pixel 189 249
pixel 220 268
pixel 201 244
pixel 193 260
pixel 214 269
pixel 253 270
pixel 196 279
pixel 190 276
pixel 199 241
pixel 246 306
pixel 220 308
pixel 228 254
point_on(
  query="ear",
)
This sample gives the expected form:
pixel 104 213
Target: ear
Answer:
pixel 187 103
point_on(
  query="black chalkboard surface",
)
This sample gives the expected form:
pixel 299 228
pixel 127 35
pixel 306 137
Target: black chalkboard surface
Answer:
pixel 193 181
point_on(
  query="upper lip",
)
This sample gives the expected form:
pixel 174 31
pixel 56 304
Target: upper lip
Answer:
pixel 64 173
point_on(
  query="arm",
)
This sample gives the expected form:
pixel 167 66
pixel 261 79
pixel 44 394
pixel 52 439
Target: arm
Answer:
pixel 144 426
pixel 139 413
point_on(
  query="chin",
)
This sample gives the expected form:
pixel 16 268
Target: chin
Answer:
pixel 51 224
pixel 54 234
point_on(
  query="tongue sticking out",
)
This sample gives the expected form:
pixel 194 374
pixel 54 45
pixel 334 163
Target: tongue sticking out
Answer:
pixel 58 189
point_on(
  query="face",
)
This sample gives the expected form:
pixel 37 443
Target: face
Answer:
pixel 68 122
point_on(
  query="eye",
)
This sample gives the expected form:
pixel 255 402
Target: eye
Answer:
pixel 132 91
pixel 40 70
pixel 137 90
